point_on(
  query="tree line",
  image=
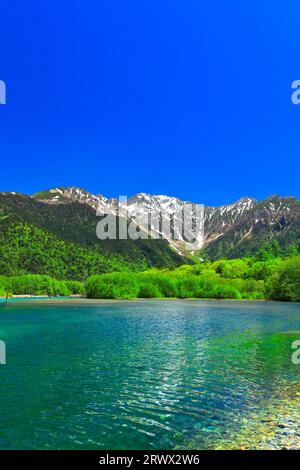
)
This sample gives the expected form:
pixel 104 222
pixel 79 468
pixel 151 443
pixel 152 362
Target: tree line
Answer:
pixel 270 274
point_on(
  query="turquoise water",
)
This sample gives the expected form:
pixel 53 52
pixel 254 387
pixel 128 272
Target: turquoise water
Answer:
pixel 31 299
pixel 140 375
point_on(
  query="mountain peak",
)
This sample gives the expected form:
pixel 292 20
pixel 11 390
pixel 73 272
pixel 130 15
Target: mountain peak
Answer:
pixel 247 199
pixel 63 195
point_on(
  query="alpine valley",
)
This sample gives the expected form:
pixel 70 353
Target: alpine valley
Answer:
pixel 54 232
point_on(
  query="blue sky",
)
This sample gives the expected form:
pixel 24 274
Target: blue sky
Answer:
pixel 189 98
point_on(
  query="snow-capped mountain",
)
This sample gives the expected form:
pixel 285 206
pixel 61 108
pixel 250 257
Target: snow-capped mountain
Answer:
pixel 218 220
pixel 159 215
pixel 229 230
pixel 273 218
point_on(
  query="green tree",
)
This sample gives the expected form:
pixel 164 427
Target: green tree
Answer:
pixel 285 283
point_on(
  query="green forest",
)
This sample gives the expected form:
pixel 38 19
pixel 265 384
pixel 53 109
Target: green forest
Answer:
pixel 270 274
pixel 26 248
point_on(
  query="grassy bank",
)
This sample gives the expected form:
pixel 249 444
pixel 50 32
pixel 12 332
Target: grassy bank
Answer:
pixel 273 278
pixel 268 275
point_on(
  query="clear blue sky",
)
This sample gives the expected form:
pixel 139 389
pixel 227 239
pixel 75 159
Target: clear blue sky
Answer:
pixel 184 98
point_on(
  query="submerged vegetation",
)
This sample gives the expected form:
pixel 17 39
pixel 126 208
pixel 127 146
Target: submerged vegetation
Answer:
pixel 271 274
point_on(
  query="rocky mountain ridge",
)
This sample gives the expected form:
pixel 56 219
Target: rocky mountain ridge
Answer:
pixel 229 230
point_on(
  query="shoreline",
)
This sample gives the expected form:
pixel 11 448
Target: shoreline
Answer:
pixel 79 300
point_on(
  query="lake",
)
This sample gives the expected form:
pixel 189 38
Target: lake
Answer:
pixel 147 374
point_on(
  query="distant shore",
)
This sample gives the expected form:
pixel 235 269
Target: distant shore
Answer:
pixel 80 300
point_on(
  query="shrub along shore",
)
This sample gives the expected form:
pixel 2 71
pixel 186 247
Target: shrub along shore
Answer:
pixel 265 276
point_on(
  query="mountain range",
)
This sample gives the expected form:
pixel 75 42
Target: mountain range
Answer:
pixel 230 231
pixel 68 216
